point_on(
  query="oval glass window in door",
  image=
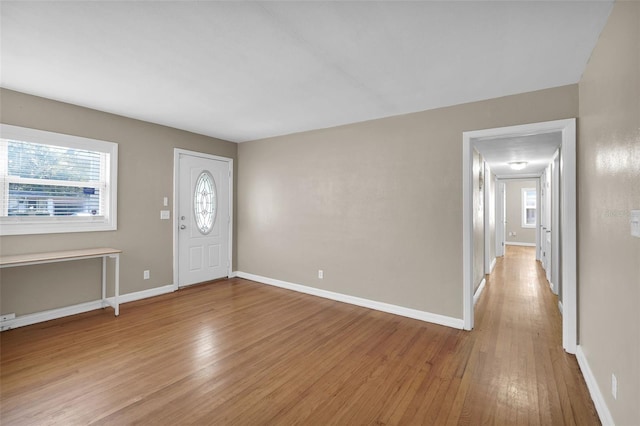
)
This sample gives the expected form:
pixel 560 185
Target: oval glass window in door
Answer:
pixel 205 202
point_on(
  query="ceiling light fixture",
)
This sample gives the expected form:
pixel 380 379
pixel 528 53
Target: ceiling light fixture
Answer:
pixel 518 165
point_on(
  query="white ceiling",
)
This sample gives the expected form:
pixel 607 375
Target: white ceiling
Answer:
pixel 537 150
pixel 248 70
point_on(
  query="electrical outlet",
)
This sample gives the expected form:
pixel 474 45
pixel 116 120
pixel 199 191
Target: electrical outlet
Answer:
pixel 320 274
pixel 614 386
pixel 146 275
pixel 7 317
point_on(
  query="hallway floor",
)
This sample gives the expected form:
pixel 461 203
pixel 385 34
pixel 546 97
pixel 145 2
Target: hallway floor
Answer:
pixel 518 350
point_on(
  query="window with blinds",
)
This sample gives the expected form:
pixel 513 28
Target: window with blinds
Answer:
pixel 528 207
pixel 55 183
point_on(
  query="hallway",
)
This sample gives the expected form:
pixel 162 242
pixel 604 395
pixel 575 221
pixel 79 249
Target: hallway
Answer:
pixel 518 350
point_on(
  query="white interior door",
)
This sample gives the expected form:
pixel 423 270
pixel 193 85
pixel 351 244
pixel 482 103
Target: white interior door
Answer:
pixel 203 219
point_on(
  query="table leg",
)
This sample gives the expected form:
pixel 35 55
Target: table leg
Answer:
pixel 117 290
pixel 104 281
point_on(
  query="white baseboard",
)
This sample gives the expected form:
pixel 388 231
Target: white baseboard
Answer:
pixel 478 292
pixel 43 316
pixel 560 306
pixel 144 294
pixel 598 399
pixel 353 300
pixel 492 265
pixel 233 274
pixel 514 243
pixel 51 314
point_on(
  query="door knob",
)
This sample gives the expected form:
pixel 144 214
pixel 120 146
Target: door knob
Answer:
pixel 182 226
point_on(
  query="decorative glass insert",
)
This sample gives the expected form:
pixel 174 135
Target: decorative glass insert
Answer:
pixel 205 202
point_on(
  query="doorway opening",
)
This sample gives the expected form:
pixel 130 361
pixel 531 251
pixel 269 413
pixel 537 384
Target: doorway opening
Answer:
pixel 566 129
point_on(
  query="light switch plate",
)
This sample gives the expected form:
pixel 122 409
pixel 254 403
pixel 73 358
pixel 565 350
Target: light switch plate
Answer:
pixel 165 214
pixel 635 223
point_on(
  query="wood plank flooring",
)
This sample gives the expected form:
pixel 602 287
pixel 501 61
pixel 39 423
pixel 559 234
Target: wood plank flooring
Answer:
pixel 235 352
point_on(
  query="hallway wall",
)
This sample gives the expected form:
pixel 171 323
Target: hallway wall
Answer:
pixel 608 189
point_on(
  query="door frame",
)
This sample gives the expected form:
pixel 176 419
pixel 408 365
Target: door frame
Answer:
pixel 568 222
pixel 489 207
pixel 177 152
pixel 500 217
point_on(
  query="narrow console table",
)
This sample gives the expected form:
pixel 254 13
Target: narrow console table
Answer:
pixel 62 256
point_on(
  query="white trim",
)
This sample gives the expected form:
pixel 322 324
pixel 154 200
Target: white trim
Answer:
pixel 560 306
pixel 144 294
pixel 51 314
pixel 596 395
pixel 493 265
pixel 467 231
pixel 233 274
pixel 478 292
pixel 353 300
pixel 528 176
pixel 568 231
pixel 515 243
pixel 500 217
pixel 568 220
pixel 176 170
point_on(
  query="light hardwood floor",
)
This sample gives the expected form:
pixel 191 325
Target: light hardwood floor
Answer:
pixel 238 352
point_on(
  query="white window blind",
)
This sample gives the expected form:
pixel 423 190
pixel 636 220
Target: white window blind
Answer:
pixel 55 183
pixel 46 180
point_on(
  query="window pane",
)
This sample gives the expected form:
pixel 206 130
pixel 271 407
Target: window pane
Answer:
pixel 531 216
pixel 531 198
pixel 50 200
pixel 28 163
pixel 38 161
pixel 529 207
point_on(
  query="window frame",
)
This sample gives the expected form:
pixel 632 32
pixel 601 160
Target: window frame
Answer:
pixel 525 207
pixel 28 225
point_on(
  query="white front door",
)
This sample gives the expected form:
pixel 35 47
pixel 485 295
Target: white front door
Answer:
pixel 203 219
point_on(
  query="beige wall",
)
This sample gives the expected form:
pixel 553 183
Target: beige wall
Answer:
pixel 376 205
pixel 145 176
pixel 514 212
pixel 608 188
